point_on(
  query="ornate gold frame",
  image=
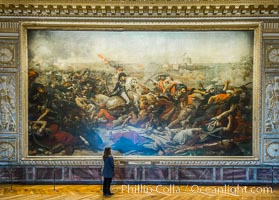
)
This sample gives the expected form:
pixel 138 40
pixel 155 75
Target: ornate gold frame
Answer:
pixel 143 25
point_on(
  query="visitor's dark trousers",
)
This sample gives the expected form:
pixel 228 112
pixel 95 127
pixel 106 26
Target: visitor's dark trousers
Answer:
pixel 106 185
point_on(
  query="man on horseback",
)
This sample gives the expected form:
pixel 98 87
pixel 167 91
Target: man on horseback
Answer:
pixel 120 88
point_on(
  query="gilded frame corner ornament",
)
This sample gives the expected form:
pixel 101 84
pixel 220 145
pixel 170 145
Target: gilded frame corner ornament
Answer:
pixel 150 25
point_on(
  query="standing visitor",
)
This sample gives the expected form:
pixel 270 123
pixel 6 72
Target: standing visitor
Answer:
pixel 108 171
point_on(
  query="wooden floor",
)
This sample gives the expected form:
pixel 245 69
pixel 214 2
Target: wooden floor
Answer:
pixel 135 192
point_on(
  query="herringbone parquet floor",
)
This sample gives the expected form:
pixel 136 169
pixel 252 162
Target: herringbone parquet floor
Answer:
pixel 138 192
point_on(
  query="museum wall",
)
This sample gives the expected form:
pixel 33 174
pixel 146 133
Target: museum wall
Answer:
pixel 16 166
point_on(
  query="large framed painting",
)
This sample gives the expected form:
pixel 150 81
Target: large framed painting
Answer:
pixel 149 90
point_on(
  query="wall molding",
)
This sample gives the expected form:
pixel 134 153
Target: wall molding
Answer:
pixel 9 27
pixel 141 8
pixel 14 12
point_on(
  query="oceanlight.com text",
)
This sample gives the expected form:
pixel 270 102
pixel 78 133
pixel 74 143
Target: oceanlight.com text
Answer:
pixel 195 189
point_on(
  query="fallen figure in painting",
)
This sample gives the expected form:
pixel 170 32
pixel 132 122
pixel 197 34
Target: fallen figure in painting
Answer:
pixel 213 136
pixel 50 140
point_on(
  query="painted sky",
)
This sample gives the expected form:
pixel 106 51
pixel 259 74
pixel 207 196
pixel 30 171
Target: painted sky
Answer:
pixel 139 47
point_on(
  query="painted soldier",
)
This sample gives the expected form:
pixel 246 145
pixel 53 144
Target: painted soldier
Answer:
pixel 120 88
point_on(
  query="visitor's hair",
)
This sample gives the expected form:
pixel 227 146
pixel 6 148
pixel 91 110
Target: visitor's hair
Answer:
pixel 107 152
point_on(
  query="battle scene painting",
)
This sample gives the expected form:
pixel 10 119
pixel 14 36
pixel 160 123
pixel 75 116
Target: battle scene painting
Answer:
pixel 143 93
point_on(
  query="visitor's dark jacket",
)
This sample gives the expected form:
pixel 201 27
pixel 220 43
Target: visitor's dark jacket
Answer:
pixel 108 169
